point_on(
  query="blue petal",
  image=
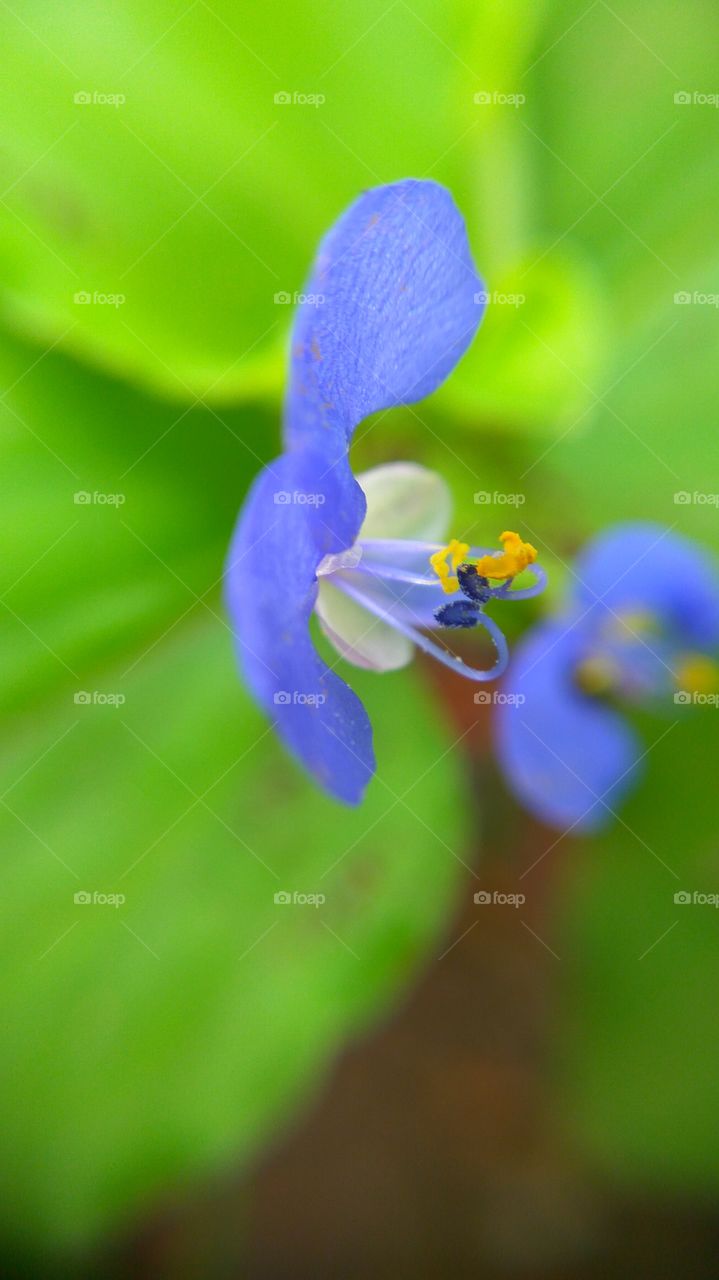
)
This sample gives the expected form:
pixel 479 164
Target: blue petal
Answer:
pixel 645 567
pixel 568 758
pixel 394 301
pixel 271 590
pixel 391 306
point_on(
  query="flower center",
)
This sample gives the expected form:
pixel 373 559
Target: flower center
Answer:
pixel 632 659
pixel 390 579
pixel 472 577
pixel 515 557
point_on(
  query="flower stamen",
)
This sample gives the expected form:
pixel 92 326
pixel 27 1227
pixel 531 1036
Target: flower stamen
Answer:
pixel 515 557
pixel 456 553
pixel 500 566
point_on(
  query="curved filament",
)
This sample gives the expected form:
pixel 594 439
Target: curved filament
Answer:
pixel 423 642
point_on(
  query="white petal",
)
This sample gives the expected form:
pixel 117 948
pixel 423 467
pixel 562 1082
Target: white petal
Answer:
pixel 405 500
pixel 357 635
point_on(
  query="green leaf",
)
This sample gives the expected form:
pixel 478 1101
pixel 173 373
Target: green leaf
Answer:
pixel 152 226
pixel 194 193
pixel 625 166
pixel 147 1043
pixel 657 427
pixel 628 179
pixel 547 318
pixel 542 343
pixel 117 513
pixel 150 1042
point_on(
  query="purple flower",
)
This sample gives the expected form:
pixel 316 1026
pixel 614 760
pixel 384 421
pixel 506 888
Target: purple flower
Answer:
pixel 642 620
pixel 393 302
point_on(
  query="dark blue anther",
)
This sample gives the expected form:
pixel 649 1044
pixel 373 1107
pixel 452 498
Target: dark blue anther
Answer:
pixel 472 585
pixel 460 613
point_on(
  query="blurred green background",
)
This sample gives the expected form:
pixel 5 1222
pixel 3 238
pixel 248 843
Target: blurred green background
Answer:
pixel 158 193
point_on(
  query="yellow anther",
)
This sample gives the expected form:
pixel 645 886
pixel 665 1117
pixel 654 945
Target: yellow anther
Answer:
pixel 515 557
pixel 696 673
pixel 456 553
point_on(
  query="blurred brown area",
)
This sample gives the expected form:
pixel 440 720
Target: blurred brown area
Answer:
pixel 431 1152
pixel 434 1150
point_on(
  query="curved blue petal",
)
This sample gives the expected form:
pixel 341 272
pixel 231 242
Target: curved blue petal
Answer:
pixel 270 591
pixel 568 758
pixel 393 302
pixel 646 567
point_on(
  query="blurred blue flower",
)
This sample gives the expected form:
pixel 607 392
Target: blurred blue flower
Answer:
pixel 393 302
pixel 642 621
